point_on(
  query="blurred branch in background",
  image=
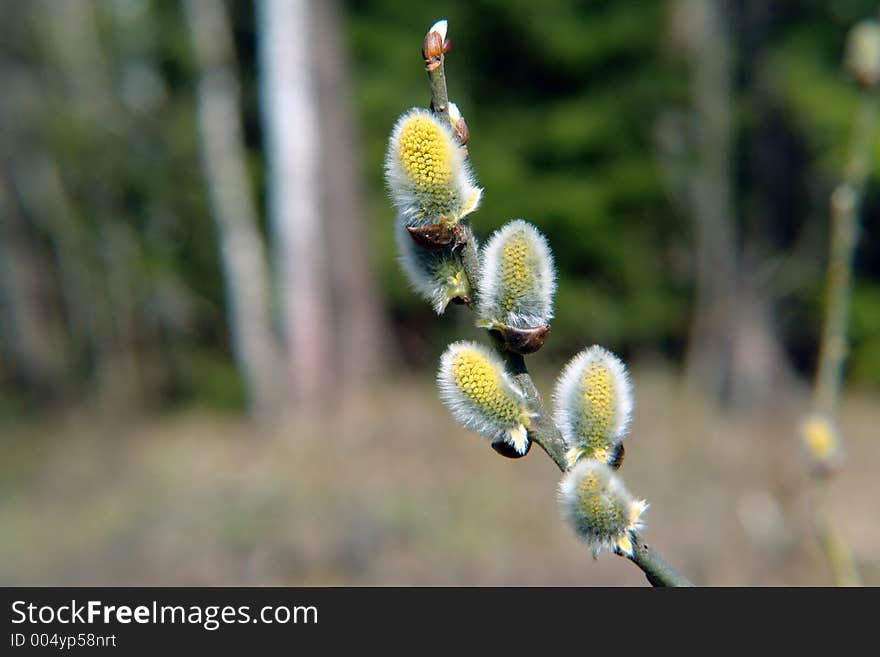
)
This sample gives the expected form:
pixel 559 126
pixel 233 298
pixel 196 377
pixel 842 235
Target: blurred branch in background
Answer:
pixel 821 431
pixel 242 252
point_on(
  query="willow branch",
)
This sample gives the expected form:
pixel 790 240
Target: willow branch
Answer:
pixel 543 429
pixel 833 347
pixel 658 572
pixel 845 202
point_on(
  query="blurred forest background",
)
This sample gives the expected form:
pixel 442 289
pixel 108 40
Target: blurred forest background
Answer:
pixel 213 372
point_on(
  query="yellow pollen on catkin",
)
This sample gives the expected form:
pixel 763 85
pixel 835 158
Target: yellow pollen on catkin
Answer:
pixel 480 382
pixel 516 276
pixel 599 508
pixel 597 409
pixel 596 504
pixel 575 454
pixel 425 157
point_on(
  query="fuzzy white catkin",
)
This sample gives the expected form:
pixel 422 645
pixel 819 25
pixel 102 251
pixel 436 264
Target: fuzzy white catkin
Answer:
pixel 428 177
pixel 517 278
pixel 598 507
pixel 481 395
pixel 593 400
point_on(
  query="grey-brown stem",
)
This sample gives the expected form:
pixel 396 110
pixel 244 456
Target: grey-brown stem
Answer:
pixel 658 572
pixel 845 203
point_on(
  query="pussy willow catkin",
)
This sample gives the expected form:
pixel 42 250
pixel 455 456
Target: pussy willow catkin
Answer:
pixel 481 396
pixel 596 504
pixel 593 400
pixel 517 278
pixel 428 177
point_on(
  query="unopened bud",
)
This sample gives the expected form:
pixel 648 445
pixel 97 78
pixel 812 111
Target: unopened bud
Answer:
pixel 459 127
pixel 435 45
pixel 440 28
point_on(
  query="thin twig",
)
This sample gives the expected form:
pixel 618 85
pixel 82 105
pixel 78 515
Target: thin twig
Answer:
pixel 543 430
pixel 845 202
pixel 844 207
pixel 658 572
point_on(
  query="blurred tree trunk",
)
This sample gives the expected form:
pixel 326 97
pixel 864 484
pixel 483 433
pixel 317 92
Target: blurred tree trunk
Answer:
pixel 33 341
pixel 709 350
pixel 761 371
pixel 357 318
pixel 734 354
pixel 73 49
pixel 242 252
pixel 293 150
pixel 44 200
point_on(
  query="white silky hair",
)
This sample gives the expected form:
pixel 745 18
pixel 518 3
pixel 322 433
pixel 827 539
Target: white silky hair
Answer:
pixel 535 307
pixel 596 531
pixel 414 206
pixel 462 409
pixel 440 28
pixel 568 397
pixel 423 269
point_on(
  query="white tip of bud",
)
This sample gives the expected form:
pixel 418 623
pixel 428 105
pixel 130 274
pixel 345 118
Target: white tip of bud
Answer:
pixel 481 396
pixel 594 400
pixel 517 278
pixel 440 28
pixel 454 112
pixel 428 177
pixel 597 505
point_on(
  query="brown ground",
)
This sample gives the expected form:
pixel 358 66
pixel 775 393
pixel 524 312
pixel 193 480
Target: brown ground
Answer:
pixel 393 493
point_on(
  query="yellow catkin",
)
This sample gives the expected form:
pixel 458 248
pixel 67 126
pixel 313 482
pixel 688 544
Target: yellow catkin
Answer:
pixel 426 159
pixel 608 515
pixel 516 276
pixel 597 412
pixel 479 381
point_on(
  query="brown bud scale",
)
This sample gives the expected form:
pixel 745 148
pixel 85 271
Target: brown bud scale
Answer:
pixel 523 341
